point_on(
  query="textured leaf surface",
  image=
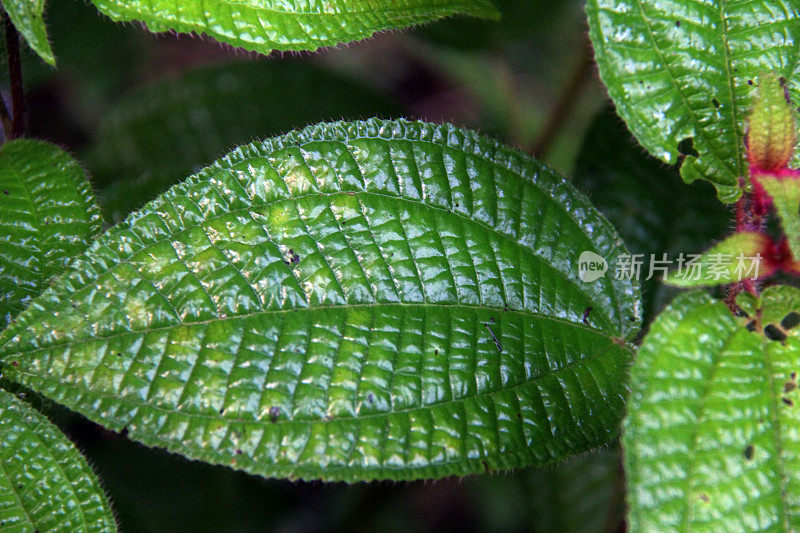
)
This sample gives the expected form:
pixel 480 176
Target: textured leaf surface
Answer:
pixel 45 483
pixel 352 301
pixel 47 215
pixel 26 15
pixel 646 201
pixel 681 70
pixel 711 437
pixel 160 133
pixel 267 25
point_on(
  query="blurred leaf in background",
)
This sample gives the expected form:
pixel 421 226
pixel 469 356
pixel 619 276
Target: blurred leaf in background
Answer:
pixel 528 81
pixel 159 133
pixel 654 211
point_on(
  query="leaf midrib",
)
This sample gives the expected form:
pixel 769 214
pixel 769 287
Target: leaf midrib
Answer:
pixel 294 199
pixel 698 131
pixel 59 385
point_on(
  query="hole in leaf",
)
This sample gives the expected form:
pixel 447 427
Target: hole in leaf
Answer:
pixel 748 452
pixel 774 333
pixel 686 147
pixel 790 321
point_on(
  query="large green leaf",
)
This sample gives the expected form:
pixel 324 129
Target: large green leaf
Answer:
pixel 712 436
pixel 352 301
pixel 26 15
pixel 45 483
pixel 160 133
pixel 681 73
pixel 47 215
pixel 267 25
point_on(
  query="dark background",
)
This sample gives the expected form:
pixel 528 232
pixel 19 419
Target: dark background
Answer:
pixel 142 111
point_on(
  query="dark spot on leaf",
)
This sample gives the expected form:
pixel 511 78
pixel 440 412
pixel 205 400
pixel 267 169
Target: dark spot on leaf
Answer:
pixel 274 413
pixel 782 81
pixel 794 375
pixel 677 23
pixel 686 147
pixel 586 315
pixel 238 451
pixel 370 398
pixel 519 415
pixel 632 318
pixel 715 102
pixel 789 386
pixel 787 401
pixel 436 352
pixel 790 321
pixel 494 338
pixel 14 363
pixel 222 410
pixel 704 497
pixel 491 319
pixel 749 82
pixel 5 192
pixel 748 452
pixel 774 333
pixel 751 326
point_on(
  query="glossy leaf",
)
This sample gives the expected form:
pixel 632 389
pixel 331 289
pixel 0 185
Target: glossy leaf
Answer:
pixel 352 301
pixel 681 73
pixel 45 483
pixel 26 15
pixel 711 437
pixel 646 201
pixel 267 25
pixel 47 215
pixel 158 134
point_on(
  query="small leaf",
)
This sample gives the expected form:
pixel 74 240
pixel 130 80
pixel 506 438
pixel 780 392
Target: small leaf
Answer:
pixel 711 437
pixel 26 15
pixel 682 75
pixel 45 483
pixel 369 300
pixel 160 133
pixel 739 256
pixel 267 25
pixel 771 127
pixel 785 194
pixel 47 215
